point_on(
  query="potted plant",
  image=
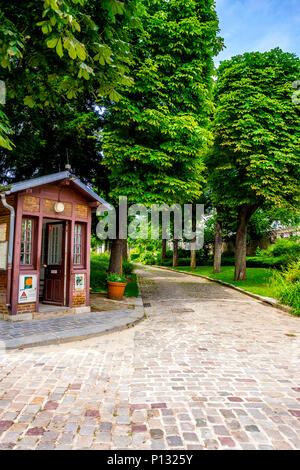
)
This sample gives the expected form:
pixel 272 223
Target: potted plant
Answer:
pixel 115 286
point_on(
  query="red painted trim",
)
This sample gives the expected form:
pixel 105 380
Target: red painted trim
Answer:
pixel 83 264
pixel 71 280
pixel 46 215
pixel 34 242
pixel 38 257
pixel 88 255
pixel 16 259
pixel 59 301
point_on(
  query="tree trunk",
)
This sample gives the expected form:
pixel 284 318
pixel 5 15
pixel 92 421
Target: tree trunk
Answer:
pixel 125 253
pixel 244 214
pixel 175 253
pixel 163 249
pixel 218 247
pixel 193 259
pixel 115 263
pixel 193 264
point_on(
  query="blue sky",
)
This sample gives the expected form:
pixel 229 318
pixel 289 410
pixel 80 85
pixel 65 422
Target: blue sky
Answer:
pixel 258 25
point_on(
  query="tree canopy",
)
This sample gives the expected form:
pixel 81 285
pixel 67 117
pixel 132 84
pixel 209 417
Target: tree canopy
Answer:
pixel 257 125
pixel 255 160
pixel 155 136
pixel 57 50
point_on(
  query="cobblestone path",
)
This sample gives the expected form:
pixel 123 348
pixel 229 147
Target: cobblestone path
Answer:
pixel 209 369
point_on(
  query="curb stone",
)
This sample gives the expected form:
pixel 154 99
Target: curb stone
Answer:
pixel 265 300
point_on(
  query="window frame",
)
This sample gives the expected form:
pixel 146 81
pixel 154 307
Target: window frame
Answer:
pixel 32 264
pixel 82 244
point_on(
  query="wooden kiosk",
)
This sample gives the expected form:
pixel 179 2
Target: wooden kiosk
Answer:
pixel 45 230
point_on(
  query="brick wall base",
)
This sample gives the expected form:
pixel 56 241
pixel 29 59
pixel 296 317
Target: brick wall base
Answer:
pixel 79 296
pixel 26 308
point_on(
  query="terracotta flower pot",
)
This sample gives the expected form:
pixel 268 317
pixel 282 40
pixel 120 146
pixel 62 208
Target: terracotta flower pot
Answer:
pixel 116 290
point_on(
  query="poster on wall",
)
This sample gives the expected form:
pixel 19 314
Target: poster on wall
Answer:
pixel 79 281
pixel 27 288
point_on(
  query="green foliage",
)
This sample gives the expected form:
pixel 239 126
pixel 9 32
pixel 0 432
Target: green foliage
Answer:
pixel 134 256
pixel 289 247
pixel 287 286
pixel 258 279
pixel 127 268
pixel 55 51
pixel 115 277
pixel 99 268
pixel 5 132
pixel 262 222
pixel 147 258
pixel 132 288
pixel 155 136
pixel 44 140
pixel 256 154
pixel 277 262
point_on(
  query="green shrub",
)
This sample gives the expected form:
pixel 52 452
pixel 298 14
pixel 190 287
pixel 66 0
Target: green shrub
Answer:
pixel 227 261
pixel 99 267
pixel 115 277
pixel 167 262
pixel 169 254
pixel 184 261
pixel 288 247
pixel 276 262
pixel 228 254
pixel 127 268
pixel 147 258
pixel 134 256
pixel 287 286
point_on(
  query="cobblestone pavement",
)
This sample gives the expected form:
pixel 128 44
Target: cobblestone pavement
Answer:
pixel 209 369
pixel 66 328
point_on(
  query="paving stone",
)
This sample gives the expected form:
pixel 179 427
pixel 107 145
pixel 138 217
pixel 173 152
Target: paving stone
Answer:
pixel 5 424
pixel 174 441
pixel 156 433
pixel 105 426
pixel 252 428
pixel 139 428
pixel 222 375
pixel 190 436
pixel 158 444
pixel 200 423
pixel 123 420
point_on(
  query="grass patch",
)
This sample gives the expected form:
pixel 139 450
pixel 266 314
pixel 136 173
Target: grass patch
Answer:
pixel 99 268
pixel 132 288
pixel 258 279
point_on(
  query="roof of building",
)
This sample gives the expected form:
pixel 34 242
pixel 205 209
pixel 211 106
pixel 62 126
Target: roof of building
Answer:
pixel 27 184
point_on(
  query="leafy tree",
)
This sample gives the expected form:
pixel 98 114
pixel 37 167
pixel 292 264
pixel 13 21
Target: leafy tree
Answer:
pixel 155 136
pixel 255 161
pixel 46 139
pixel 56 50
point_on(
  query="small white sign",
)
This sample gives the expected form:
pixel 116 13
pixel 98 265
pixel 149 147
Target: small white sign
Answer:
pixel 27 288
pixel 79 281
